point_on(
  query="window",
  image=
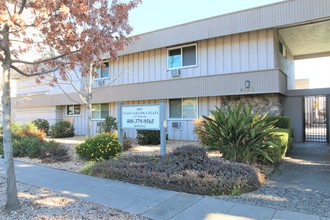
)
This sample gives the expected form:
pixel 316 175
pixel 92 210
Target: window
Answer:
pixel 183 108
pixel 73 110
pixel 282 49
pixel 100 111
pixel 182 57
pixel 102 71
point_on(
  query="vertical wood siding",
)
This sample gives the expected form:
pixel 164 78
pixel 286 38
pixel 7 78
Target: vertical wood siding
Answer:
pixel 244 52
pixel 27 115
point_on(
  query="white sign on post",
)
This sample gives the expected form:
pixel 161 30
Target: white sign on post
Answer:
pixel 143 117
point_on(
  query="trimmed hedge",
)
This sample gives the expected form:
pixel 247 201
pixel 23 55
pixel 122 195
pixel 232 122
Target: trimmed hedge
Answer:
pixel 283 139
pixel 186 169
pixel 148 137
pixel 281 121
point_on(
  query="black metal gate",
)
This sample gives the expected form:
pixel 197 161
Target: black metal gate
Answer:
pixel 315 120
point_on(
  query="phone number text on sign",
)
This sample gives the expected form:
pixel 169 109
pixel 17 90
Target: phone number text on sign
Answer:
pixel 141 117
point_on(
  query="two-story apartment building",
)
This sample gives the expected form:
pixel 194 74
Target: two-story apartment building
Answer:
pixel 243 56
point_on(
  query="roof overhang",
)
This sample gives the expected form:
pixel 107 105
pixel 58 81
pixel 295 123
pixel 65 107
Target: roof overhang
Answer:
pixel 308 40
pixel 277 15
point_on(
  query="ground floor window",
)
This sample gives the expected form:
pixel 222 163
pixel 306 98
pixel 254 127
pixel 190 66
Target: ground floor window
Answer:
pixel 73 110
pixel 100 111
pixel 183 108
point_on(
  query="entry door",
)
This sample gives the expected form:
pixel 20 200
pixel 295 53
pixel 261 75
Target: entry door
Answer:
pixel 315 119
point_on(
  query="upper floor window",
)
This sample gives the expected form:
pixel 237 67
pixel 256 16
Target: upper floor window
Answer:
pixel 73 110
pixel 183 108
pixel 184 56
pixel 103 71
pixel 282 49
pixel 100 111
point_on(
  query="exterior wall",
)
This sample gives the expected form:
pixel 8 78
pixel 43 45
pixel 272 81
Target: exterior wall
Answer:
pixel 244 52
pixel 285 64
pixel 27 115
pixel 294 108
pixel 271 103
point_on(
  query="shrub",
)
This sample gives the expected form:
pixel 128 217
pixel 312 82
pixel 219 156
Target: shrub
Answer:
pixel 101 147
pixel 52 152
pixel 240 135
pixel 29 129
pixel 281 121
pixel 62 129
pixel 128 144
pixel 186 169
pixel 26 146
pixel 283 139
pixel 148 137
pixel 42 124
pixel 108 125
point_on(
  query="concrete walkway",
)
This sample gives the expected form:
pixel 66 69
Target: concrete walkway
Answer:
pixel 165 204
pixel 307 165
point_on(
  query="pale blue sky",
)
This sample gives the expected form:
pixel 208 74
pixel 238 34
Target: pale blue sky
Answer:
pixel 157 14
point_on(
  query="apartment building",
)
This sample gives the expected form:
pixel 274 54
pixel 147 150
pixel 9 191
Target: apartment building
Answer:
pixel 242 56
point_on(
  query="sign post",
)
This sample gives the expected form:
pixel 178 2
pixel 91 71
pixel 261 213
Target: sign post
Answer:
pixel 162 129
pixel 143 117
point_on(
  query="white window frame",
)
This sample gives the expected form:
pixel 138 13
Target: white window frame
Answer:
pixel 100 105
pixel 73 115
pixel 99 68
pixel 181 64
pixel 182 119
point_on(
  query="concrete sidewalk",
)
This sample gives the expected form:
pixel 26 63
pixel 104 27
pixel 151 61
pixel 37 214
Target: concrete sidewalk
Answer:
pixel 147 201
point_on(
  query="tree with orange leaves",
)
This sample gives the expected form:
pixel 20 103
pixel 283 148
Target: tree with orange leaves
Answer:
pixel 77 31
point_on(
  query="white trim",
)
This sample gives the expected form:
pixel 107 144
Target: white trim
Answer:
pixel 181 119
pixel 181 65
pixel 100 119
pixel 99 67
pixel 74 115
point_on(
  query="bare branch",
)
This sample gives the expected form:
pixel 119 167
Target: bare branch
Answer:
pixel 22 7
pixel 20 41
pixel 66 94
pixel 32 74
pixel 44 60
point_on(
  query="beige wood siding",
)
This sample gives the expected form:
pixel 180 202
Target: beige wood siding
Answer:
pixel 270 81
pixel 27 115
pixel 230 54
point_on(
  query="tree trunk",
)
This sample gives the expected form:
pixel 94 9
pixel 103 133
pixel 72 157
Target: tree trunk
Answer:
pixel 89 116
pixel 12 199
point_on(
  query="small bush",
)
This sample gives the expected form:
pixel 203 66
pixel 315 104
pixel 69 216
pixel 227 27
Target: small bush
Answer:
pixel 148 137
pixel 102 147
pixel 28 141
pixel 186 169
pixel 53 152
pixel 281 121
pixel 26 146
pixel 108 125
pixel 42 124
pixel 283 139
pixel 29 129
pixel 128 144
pixel 62 129
pixel 240 135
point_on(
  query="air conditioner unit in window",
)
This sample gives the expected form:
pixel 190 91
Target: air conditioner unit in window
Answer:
pixel 101 82
pixel 176 125
pixel 175 73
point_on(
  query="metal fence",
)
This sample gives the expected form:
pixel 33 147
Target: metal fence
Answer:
pixel 315 120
